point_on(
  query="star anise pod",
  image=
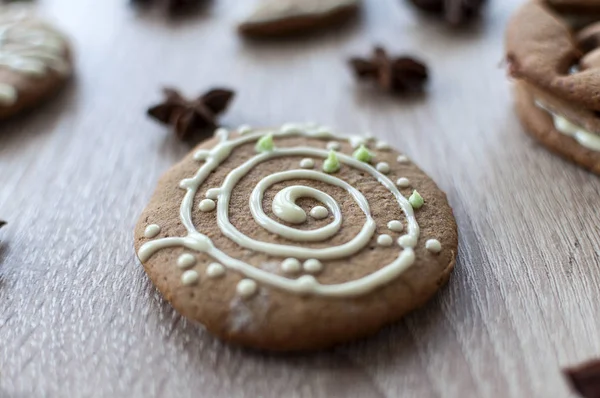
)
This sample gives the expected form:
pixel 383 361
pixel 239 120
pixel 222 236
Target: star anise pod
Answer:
pixel 398 75
pixel 189 116
pixel 456 12
pixel 585 379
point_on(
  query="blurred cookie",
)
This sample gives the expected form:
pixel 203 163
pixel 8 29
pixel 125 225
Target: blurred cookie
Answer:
pixel 296 238
pixel 557 72
pixel 34 59
pixel 581 7
pixel 285 17
pixel 552 131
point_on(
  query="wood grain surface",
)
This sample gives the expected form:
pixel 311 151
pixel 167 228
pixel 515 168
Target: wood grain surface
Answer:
pixel 79 318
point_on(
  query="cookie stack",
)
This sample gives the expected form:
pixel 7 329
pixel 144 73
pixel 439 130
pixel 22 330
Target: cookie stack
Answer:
pixel 553 56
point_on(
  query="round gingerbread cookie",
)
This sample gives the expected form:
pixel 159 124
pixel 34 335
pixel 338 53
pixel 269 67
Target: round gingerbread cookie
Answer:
pixel 296 238
pixel 556 68
pixel 34 59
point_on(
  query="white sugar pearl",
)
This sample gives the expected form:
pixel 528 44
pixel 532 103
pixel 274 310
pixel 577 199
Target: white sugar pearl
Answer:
pixel 319 212
pixel 406 241
pixel 395 226
pixel 190 277
pixel 402 159
pixel 384 240
pixel 186 260
pixel 215 270
pixel 307 163
pixel 433 245
pixel 312 266
pixel 403 182
pixel 291 265
pixel 246 288
pixel 383 167
pixel 207 205
pixel 151 231
pixel 381 145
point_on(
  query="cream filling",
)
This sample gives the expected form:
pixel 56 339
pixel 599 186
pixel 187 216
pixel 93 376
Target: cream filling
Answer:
pixel 584 137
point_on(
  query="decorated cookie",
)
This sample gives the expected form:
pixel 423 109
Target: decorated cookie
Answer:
pixel 296 238
pixel 34 59
pixel 556 68
pixel 283 17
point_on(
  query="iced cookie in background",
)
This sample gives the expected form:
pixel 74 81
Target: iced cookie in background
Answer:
pixel 296 238
pixel 556 73
pixel 35 59
pixel 285 17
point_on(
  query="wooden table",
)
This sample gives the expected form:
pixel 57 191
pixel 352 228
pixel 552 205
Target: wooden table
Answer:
pixel 79 318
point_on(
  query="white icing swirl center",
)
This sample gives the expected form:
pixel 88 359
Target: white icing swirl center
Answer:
pixel 285 207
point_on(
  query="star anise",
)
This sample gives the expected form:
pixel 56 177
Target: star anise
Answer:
pixel 456 12
pixel 585 379
pixel 189 116
pixel 399 75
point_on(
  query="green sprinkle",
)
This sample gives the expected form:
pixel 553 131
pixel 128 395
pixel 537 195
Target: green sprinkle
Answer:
pixel 416 200
pixel 265 144
pixel 363 154
pixel 331 164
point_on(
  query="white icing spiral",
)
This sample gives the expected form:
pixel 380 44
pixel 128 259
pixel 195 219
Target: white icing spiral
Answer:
pixel 285 209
